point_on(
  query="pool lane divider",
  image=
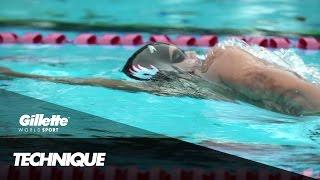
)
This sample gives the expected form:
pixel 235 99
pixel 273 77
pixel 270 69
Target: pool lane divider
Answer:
pixel 134 172
pixel 8 37
pixel 137 39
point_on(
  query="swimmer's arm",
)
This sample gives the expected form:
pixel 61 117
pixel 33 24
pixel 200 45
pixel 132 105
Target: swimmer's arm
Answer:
pixel 290 93
pixel 108 83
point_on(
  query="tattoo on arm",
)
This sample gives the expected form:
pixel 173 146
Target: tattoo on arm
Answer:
pixel 293 101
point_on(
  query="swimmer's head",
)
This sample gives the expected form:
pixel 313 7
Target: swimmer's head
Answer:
pixel 154 58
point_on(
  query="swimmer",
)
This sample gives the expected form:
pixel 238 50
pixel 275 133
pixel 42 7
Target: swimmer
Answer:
pixel 227 73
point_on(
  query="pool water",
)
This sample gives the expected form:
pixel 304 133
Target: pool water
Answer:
pixel 224 16
pixel 238 128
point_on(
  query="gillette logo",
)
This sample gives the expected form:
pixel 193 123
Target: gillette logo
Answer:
pixel 77 159
pixel 39 123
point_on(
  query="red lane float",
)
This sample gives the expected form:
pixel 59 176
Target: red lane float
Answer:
pixel 207 40
pixel 109 172
pixel 132 39
pixel 45 173
pixel 133 172
pixel 279 42
pixel 55 38
pixel 160 38
pixel 308 43
pixel 8 37
pixel 137 39
pixel 261 41
pixel 86 38
pixel 4 171
pixel 109 39
pixel 185 41
pixel 31 38
pixel 308 172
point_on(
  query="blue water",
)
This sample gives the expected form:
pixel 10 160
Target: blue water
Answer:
pixel 238 128
pixel 268 15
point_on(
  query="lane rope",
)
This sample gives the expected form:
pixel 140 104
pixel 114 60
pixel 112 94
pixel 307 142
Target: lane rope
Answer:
pixel 135 39
pixel 133 172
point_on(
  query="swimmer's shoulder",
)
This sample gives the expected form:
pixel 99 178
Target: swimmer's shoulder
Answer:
pixel 226 53
pixel 228 56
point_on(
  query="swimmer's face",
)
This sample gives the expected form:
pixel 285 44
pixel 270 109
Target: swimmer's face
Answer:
pixel 189 62
pixel 154 57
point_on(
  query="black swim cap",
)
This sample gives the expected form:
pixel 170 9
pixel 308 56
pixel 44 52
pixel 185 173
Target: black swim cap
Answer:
pixel 150 59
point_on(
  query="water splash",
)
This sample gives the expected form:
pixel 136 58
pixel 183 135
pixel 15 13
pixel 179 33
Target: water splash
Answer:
pixel 285 58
